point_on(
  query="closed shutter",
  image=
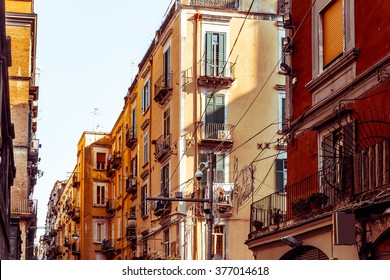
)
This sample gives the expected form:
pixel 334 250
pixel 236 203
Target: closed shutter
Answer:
pixel 312 254
pixel 333 31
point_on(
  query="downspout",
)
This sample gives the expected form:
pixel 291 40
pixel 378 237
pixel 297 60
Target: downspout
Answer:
pixel 198 17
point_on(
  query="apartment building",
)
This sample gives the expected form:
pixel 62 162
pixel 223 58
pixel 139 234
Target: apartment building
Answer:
pixel 21 26
pixel 207 100
pixel 7 169
pixel 336 204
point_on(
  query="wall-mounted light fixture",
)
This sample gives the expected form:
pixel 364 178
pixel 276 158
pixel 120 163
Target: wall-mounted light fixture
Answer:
pixel 285 68
pixel 291 241
pixel 287 21
pixel 287 45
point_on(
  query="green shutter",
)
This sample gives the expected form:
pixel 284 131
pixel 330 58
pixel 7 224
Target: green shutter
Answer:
pixel 222 54
pixel 209 53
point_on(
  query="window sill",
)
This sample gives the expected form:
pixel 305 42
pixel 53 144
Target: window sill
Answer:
pixel 324 77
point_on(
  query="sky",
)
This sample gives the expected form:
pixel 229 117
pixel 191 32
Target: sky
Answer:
pixel 87 56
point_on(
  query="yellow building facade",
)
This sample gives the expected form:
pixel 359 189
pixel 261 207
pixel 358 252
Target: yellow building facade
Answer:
pixel 206 98
pixel 21 26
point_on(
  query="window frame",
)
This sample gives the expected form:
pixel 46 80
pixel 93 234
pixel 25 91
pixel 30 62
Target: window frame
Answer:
pixel 146 147
pixel 97 187
pixel 317 44
pixel 146 96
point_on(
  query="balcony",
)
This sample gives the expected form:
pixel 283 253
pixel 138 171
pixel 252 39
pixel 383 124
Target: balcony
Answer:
pixel 131 232
pixel 75 180
pixel 131 185
pixel 216 136
pixel 215 74
pixel 162 147
pixel 163 89
pixel 33 153
pixel 223 197
pixel 110 206
pixel 162 207
pixel 114 162
pixel 107 246
pixel 24 207
pixel 345 185
pixel 223 4
pixel 75 216
pixel 131 138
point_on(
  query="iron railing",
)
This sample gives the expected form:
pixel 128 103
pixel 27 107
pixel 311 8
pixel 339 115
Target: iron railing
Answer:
pixel 24 206
pixel 163 145
pixel 226 4
pixel 348 176
pixel 217 131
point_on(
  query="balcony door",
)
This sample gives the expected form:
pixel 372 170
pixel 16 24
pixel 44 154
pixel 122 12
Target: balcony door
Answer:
pixel 215 53
pixel 215 115
pixel 167 68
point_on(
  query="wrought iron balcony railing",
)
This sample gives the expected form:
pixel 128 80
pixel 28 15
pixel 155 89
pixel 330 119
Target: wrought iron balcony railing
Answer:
pixel 163 88
pixel 24 206
pixel 325 190
pixel 217 132
pixel 162 146
pixel 131 137
pixel 131 185
pixel 216 73
pixel 225 4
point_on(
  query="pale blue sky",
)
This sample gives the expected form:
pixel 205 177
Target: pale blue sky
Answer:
pixel 85 51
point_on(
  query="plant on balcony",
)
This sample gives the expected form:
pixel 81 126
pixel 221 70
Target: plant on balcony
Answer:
pixel 276 216
pixel 318 200
pixel 300 207
pixel 258 224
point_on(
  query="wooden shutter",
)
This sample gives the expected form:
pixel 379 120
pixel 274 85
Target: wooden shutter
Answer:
pixel 209 54
pixel 221 54
pixel 333 31
pixel 167 67
pixel 279 175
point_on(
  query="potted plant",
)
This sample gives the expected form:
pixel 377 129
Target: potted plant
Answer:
pixel 257 224
pixel 318 200
pixel 300 207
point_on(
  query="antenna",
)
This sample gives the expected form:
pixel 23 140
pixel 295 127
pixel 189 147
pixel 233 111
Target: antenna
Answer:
pixel 95 113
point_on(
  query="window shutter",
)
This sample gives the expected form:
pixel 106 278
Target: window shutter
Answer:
pixel 143 99
pixel 333 31
pixel 209 53
pixel 148 95
pixel 222 54
pixel 95 231
pixel 167 67
pixel 279 175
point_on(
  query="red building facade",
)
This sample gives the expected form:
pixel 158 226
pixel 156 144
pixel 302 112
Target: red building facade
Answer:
pixel 337 66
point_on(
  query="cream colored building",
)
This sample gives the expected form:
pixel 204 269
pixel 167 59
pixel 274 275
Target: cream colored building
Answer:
pixel 208 88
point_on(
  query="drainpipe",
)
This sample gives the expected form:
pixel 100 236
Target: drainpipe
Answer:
pixel 198 18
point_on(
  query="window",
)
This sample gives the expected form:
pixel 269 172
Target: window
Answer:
pixel 133 167
pixel 133 122
pixel 119 232
pixel 144 204
pixel 219 168
pixel 165 181
pixel 101 161
pixel 120 183
pixel 146 147
pixel 215 115
pixel 332 32
pixel 218 243
pixel 167 67
pixel 146 96
pixel 167 122
pixel 337 150
pixel 100 194
pixel 215 54
pixel 99 230
pixel 281 174
pixel 166 250
pixel 282 109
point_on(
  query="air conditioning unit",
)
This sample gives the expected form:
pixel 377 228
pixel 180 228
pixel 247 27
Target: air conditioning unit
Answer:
pixel 224 135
